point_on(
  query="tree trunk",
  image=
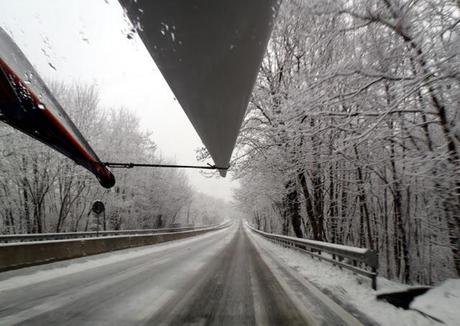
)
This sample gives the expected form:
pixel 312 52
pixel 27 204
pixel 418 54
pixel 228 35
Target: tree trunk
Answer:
pixel 294 209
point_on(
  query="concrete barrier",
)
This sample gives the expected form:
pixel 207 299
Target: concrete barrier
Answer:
pixel 18 255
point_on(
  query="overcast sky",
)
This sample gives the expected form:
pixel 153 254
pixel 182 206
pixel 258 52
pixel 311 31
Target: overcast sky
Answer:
pixel 86 41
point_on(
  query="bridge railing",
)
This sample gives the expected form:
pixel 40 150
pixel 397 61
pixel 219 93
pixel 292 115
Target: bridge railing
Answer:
pixel 29 253
pixel 359 260
pixel 9 238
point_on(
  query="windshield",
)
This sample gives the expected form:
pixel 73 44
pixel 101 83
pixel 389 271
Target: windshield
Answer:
pixel 305 153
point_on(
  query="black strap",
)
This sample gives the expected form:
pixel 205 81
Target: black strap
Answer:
pixel 149 165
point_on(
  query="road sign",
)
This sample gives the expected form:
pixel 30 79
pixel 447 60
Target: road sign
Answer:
pixel 98 207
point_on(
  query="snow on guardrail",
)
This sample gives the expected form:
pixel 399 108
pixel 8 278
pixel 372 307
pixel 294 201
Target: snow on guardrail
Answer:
pixel 8 238
pixel 359 260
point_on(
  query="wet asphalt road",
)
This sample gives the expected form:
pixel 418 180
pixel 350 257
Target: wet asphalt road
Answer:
pixel 216 279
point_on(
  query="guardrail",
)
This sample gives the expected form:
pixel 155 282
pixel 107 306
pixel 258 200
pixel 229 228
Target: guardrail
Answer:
pixel 8 238
pixel 359 260
pixel 23 254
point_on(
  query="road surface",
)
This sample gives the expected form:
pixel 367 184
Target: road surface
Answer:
pixel 221 278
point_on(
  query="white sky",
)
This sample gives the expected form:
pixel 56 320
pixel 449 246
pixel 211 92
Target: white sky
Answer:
pixel 86 40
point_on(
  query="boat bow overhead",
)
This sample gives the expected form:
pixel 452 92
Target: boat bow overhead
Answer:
pixel 209 52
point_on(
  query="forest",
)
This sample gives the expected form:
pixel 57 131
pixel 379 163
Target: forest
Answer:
pixel 43 191
pixel 353 130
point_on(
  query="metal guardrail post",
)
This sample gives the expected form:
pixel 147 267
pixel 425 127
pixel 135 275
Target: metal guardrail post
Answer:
pixel 374 279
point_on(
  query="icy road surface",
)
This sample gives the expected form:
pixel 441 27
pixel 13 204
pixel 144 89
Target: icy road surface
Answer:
pixel 221 278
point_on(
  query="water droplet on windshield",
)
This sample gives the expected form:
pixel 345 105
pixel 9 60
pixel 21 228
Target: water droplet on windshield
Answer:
pixel 28 78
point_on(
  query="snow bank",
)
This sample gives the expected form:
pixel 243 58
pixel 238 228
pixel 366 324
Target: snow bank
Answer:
pixel 352 291
pixel 441 302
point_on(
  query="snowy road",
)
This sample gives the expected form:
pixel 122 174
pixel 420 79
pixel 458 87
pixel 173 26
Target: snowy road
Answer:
pixel 221 278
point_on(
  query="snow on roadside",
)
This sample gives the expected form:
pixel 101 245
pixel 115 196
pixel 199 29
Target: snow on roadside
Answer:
pixel 95 261
pixel 442 302
pixel 346 287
